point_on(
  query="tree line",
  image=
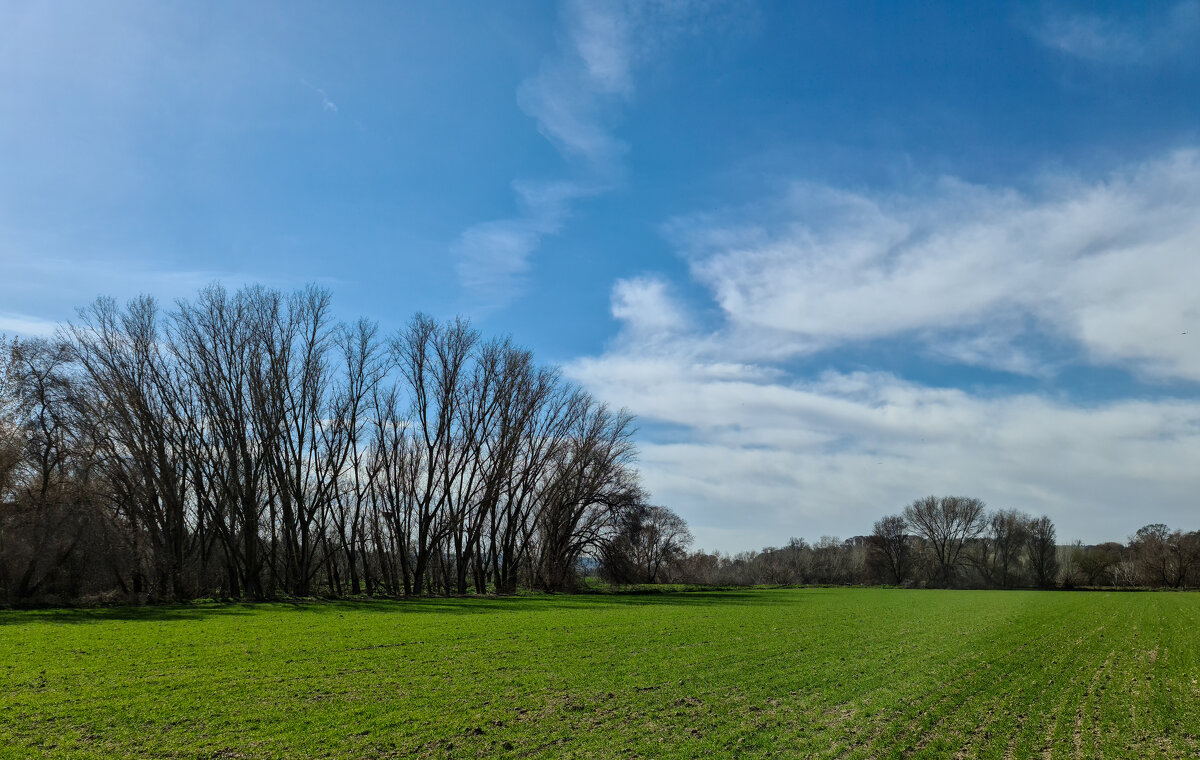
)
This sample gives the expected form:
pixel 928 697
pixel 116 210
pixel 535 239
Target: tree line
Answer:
pixel 245 444
pixel 955 541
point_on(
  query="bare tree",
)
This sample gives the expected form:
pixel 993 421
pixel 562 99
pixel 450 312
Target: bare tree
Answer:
pixel 890 543
pixel 997 555
pixel 648 539
pixel 147 453
pixel 535 427
pixel 1042 550
pixel 217 342
pixel 432 359
pixel 591 480
pixel 45 470
pixel 947 523
pixel 1165 557
pixel 362 370
pixel 245 444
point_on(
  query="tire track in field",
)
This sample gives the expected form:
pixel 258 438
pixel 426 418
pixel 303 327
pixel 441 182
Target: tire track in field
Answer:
pixel 1183 671
pixel 1026 719
pixel 1090 699
pixel 928 733
pixel 1052 727
pixel 1069 663
pixel 846 711
pixel 812 703
pixel 1067 693
pixel 993 714
pixel 1002 708
pixel 917 700
pixel 1008 705
pixel 838 715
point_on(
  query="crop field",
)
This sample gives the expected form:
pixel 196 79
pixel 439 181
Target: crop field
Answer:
pixel 854 673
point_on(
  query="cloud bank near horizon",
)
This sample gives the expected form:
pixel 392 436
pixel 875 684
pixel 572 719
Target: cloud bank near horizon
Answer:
pixel 750 407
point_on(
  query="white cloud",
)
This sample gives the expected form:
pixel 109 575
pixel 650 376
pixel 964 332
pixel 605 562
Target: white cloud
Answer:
pixel 1108 39
pixel 601 36
pixel 571 98
pixel 326 103
pixel 776 458
pixel 646 305
pixel 45 281
pixel 1109 264
pixel 492 258
pixel 23 324
pixel 745 447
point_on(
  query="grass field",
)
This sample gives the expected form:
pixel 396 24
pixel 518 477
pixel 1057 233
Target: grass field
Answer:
pixel 788 673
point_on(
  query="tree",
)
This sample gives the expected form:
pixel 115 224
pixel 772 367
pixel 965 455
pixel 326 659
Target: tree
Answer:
pixel 1042 551
pixel 432 359
pixel 146 447
pixel 947 524
pixel 891 546
pixel 244 443
pixel 999 554
pixel 590 481
pixel 1165 557
pixel 45 505
pixel 648 539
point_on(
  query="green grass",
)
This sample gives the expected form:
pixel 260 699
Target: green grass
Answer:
pixel 853 673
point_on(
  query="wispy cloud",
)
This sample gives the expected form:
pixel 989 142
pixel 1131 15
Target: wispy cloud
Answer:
pixel 326 103
pixel 1163 33
pixel 43 285
pixel 577 93
pixel 1108 265
pixel 576 99
pixel 1102 270
pixel 492 258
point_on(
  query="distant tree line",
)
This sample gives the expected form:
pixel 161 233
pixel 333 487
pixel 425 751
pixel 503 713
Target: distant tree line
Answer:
pixel 244 444
pixel 954 541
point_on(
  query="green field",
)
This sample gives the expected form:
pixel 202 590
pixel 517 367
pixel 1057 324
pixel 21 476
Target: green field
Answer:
pixel 783 673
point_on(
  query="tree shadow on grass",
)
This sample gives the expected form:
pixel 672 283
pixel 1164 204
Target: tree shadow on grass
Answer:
pixel 481 605
pixel 126 613
pixel 536 603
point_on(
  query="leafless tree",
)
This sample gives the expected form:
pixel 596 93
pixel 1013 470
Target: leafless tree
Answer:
pixel 217 342
pixel 432 359
pixel 1165 557
pixel 1041 549
pixel 590 481
pixel 647 540
pixel 45 469
pixel 891 544
pixel 147 456
pixel 947 523
pixel 997 554
pixel 362 369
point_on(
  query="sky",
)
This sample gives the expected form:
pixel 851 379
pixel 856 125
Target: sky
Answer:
pixel 835 256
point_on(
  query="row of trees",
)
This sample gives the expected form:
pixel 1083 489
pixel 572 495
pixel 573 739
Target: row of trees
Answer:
pixel 245 444
pixel 1155 556
pixel 954 536
pixel 955 541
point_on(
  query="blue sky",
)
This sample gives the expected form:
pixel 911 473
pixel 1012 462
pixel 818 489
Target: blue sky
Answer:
pixel 836 256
